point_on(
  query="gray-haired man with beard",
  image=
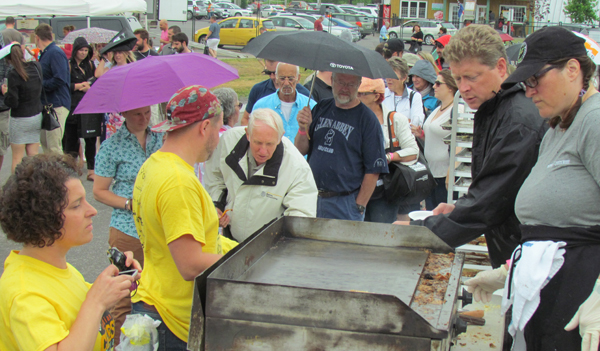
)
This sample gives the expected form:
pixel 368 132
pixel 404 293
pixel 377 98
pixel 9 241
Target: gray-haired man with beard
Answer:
pixel 344 143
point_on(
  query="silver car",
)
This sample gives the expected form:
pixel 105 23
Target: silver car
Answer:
pixel 329 26
pixel 429 28
pixel 233 10
pixel 196 9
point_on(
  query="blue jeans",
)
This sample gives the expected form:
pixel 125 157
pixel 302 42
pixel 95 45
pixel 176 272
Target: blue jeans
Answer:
pixel 382 211
pixel 167 341
pixel 339 207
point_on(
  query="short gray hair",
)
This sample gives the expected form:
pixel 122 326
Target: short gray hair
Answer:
pixel 358 78
pixel 399 64
pixel 227 97
pixel 268 117
pixel 283 63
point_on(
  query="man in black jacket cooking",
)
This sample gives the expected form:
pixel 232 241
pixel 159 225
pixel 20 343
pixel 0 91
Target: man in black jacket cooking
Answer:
pixel 507 133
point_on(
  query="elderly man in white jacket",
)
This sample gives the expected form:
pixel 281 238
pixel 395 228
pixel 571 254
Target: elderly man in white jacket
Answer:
pixel 259 175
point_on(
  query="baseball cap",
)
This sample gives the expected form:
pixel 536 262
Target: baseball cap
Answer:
pixel 189 105
pixel 541 47
pixel 410 59
pixel 394 45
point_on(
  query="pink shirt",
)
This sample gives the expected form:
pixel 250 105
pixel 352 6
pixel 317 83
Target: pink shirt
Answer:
pixel 164 35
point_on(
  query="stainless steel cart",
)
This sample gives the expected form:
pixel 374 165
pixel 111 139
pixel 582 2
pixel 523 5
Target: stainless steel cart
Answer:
pixel 320 284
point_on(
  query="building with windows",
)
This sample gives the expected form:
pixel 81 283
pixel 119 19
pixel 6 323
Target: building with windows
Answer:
pixel 513 10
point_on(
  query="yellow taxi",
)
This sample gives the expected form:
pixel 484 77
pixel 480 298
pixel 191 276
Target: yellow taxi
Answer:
pixel 236 30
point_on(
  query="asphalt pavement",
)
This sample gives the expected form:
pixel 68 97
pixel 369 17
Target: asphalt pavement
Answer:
pixel 91 259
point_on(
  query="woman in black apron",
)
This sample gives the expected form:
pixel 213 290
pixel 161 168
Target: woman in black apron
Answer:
pixel 557 204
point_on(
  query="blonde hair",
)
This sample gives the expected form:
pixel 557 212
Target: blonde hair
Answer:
pixel 268 117
pixel 399 64
pixel 476 41
pixel 129 57
pixel 428 57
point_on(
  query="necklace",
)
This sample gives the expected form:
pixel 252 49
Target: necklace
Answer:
pixel 444 108
pixel 147 53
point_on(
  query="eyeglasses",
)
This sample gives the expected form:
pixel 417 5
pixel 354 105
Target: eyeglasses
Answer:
pixel 438 83
pixel 346 85
pixel 267 72
pixel 290 79
pixel 367 93
pixel 533 81
pixel 240 104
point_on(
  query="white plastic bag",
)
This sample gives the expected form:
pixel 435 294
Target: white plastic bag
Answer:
pixel 139 333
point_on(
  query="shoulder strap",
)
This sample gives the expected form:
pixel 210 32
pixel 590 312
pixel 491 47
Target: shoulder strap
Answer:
pixel 412 93
pixel 391 133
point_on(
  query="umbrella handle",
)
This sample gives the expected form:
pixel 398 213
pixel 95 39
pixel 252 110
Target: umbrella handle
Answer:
pixel 312 85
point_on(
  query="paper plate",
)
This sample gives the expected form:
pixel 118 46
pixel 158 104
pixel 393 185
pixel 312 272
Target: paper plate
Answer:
pixel 416 215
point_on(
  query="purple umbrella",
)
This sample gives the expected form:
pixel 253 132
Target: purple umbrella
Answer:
pixel 153 80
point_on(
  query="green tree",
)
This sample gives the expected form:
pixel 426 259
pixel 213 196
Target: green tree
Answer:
pixel 581 11
pixel 244 4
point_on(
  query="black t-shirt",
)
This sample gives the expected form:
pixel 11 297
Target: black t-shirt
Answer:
pixel 344 146
pixel 320 91
pixel 417 35
pixel 142 55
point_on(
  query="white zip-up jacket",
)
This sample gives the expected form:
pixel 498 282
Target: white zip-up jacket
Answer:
pixel 283 186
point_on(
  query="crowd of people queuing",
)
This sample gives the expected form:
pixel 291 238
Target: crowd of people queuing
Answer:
pixel 187 190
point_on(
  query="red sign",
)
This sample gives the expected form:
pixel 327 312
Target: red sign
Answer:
pixel 386 15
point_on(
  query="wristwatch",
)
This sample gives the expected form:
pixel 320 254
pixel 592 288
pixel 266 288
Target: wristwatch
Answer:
pixel 360 208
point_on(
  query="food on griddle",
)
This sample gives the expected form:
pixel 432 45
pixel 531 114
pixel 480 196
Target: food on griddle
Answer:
pixel 433 283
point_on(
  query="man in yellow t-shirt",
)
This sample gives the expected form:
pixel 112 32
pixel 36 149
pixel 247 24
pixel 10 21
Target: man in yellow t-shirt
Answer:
pixel 174 216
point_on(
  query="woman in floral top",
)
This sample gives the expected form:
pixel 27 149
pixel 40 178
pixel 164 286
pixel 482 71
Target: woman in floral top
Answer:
pixel 120 159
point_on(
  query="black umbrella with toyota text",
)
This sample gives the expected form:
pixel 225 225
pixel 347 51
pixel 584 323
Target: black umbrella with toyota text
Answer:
pixel 320 51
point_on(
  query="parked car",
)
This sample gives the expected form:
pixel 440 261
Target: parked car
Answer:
pixel 299 5
pixel 369 11
pixel 328 26
pixel 230 9
pixel 237 30
pixel 279 7
pixel 429 28
pixel 290 23
pixel 363 22
pixel 269 10
pixel 219 11
pixel 353 27
pixel 196 10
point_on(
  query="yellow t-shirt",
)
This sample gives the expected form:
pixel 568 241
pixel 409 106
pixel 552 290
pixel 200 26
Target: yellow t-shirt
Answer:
pixel 39 303
pixel 169 202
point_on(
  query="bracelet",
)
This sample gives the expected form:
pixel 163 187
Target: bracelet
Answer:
pixel 301 132
pixel 391 154
pixel 127 205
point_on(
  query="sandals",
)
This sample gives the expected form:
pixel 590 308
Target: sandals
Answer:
pixel 90 177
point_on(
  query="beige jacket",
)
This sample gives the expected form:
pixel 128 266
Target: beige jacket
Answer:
pixel 283 186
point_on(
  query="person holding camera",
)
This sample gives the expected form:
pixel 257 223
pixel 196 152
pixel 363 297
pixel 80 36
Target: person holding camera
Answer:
pixel 45 303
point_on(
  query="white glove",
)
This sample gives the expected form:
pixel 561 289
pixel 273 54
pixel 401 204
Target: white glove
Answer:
pixel 485 283
pixel 588 319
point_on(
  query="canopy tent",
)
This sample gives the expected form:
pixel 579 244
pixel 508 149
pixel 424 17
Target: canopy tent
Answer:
pixel 70 7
